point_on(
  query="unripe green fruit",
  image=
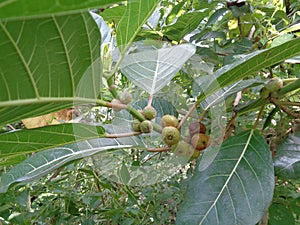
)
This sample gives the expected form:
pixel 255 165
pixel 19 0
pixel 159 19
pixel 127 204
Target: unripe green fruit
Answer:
pixel 274 84
pixel 183 149
pixel 125 97
pixel 170 135
pixel 135 124
pixel 146 126
pixel 200 141
pixel 149 112
pixel 264 93
pixel 169 120
pixel 196 127
pixel 116 101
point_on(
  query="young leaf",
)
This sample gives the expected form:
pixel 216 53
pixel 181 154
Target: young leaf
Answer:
pixel 287 160
pixel 236 188
pixel 46 65
pixel 152 70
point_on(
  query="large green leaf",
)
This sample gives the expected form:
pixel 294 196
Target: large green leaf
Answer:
pixel 46 64
pixel 151 70
pixel 22 8
pixel 235 186
pixel 287 160
pixel 46 161
pixel 14 145
pixel 135 16
pixel 250 64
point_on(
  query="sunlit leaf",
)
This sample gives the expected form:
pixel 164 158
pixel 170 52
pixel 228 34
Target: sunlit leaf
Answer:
pixel 235 188
pixel 152 70
pixel 136 15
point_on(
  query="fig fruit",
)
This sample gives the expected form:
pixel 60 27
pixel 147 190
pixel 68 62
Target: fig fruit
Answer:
pixel 170 135
pixel 149 112
pixel 196 154
pixel 169 120
pixel 183 149
pixel 196 127
pixel 125 97
pixel 274 84
pixel 116 101
pixel 136 125
pixel 146 126
pixel 200 141
pixel 264 93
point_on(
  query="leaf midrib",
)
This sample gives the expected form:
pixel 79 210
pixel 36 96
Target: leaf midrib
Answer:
pixel 229 177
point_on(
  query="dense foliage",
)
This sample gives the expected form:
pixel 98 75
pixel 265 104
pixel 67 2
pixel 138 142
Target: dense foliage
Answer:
pixel 150 112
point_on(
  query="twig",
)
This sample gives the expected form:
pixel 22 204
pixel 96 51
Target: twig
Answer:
pixel 260 113
pixel 163 149
pixel 189 113
pixel 285 109
pixel 150 100
pixel 129 134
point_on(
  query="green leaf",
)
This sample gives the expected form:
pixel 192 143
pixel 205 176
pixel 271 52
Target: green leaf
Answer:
pixel 23 8
pixel 280 215
pixel 287 160
pixel 251 64
pixel 48 65
pixel 224 92
pixel 153 69
pixel 175 10
pixel 236 187
pixel 184 25
pixel 46 161
pixel 135 16
pixel 18 143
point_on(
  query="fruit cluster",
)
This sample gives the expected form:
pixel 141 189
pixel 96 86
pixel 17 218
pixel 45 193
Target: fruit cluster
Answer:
pixel 145 126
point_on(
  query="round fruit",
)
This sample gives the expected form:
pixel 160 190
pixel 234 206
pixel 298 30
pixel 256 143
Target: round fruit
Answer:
pixel 149 112
pixel 183 149
pixel 136 125
pixel 169 120
pixel 195 155
pixel 264 93
pixel 116 101
pixel 196 127
pixel 171 135
pixel 146 126
pixel 274 84
pixel 125 97
pixel 200 141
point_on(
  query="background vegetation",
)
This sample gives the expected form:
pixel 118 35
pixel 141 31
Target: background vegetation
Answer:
pixel 68 152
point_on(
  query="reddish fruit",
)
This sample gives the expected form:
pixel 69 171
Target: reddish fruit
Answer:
pixel 169 121
pixel 200 141
pixel 196 127
pixel 170 135
pixel 149 112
